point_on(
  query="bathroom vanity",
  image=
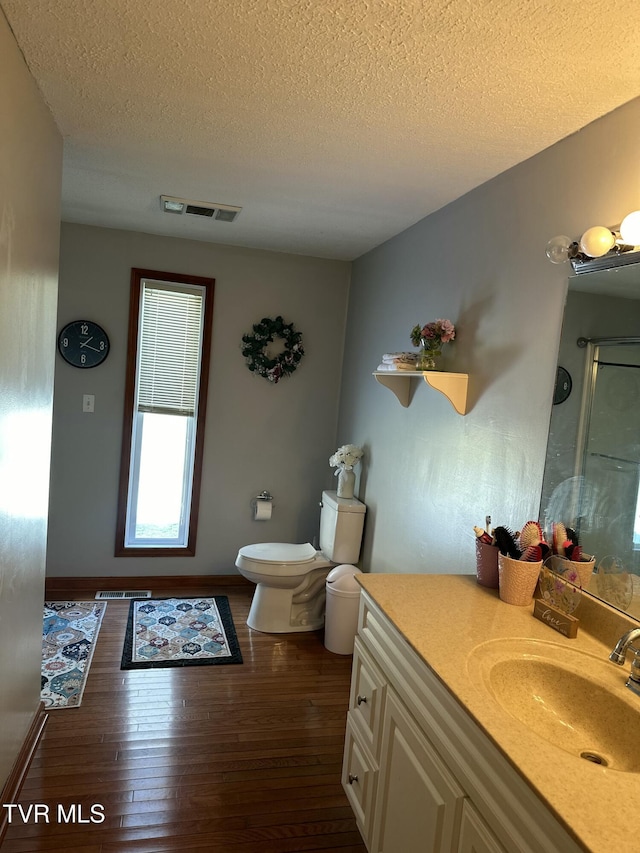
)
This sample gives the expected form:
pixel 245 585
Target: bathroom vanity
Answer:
pixel 435 763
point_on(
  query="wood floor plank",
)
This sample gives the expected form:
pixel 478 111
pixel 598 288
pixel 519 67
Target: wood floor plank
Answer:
pixel 220 759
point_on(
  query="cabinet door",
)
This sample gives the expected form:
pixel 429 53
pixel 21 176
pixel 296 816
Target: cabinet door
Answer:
pixel 359 772
pixel 418 802
pixel 367 695
pixel 475 835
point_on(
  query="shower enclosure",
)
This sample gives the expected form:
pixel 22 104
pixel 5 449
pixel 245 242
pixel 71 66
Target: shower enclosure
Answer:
pixel 608 451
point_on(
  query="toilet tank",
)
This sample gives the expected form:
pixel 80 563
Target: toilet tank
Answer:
pixel 341 526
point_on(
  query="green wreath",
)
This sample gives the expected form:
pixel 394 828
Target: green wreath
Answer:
pixel 264 332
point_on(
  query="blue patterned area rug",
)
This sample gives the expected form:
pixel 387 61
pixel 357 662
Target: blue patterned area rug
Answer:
pixel 69 634
pixel 180 632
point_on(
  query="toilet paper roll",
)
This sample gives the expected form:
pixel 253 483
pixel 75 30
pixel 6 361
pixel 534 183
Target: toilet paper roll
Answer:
pixel 262 511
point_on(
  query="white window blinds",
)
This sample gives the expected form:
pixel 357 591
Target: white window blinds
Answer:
pixel 169 348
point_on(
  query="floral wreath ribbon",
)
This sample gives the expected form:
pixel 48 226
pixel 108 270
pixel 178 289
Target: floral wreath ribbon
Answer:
pixel 255 343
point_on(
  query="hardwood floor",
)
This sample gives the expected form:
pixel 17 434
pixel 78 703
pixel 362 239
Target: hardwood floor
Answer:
pixel 214 759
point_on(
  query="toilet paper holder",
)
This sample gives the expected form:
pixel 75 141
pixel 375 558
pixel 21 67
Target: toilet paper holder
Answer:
pixel 261 498
pixel 261 506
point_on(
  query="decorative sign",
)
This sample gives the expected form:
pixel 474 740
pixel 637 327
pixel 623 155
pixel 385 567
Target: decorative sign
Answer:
pixel 556 619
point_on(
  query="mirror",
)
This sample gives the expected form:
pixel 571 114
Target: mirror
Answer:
pixel 592 473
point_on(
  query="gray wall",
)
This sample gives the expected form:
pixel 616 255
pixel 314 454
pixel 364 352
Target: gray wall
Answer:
pixel 258 436
pixel 30 174
pixel 430 474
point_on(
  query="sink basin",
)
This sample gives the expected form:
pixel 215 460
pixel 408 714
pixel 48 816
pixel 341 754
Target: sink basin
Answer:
pixel 572 699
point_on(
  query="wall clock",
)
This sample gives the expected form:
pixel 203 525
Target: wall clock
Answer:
pixel 83 344
pixel 562 387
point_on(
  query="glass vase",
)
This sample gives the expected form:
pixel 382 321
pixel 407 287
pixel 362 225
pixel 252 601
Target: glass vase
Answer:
pixel 346 483
pixel 426 360
pixel 427 357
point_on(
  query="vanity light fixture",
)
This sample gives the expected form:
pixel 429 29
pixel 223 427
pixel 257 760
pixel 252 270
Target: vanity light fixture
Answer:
pixel 597 242
pixel 630 228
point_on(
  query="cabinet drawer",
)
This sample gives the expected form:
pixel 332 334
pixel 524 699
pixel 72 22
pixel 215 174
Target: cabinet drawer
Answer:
pixel 359 777
pixel 367 695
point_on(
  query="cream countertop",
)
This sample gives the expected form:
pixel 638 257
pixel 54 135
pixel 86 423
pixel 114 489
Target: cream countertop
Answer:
pixel 444 618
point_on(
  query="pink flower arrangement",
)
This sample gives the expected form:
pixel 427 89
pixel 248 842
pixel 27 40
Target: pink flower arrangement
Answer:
pixel 432 335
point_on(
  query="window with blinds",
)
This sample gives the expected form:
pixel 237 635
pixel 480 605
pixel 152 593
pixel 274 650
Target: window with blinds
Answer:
pixel 169 344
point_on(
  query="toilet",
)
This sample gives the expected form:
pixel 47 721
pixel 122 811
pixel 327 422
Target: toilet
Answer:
pixel 290 579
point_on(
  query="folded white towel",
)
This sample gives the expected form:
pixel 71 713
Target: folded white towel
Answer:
pixel 393 368
pixel 399 356
pixel 394 357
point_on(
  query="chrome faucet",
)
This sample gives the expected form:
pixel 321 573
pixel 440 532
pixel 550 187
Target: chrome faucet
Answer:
pixel 618 656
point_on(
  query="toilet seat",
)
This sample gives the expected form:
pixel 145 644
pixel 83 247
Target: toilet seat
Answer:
pixel 278 553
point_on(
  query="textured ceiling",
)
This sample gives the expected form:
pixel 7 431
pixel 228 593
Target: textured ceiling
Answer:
pixel 335 124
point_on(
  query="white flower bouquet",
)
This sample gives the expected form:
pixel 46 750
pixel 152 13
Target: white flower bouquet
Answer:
pixel 346 458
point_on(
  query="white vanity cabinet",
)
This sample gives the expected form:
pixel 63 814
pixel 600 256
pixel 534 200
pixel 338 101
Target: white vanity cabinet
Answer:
pixel 420 775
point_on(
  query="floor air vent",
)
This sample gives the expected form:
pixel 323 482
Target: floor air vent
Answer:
pixel 110 594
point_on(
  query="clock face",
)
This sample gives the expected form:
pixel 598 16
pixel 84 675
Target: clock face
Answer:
pixel 563 386
pixel 83 344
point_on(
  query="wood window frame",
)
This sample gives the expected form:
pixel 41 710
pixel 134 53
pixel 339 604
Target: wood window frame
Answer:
pixel 137 275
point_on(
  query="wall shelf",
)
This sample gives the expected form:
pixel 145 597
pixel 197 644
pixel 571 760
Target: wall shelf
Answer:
pixel 452 385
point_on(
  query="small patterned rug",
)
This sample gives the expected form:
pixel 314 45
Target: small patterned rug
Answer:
pixel 69 634
pixel 180 632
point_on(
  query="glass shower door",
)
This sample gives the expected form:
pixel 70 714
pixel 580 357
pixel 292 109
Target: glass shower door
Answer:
pixel 610 500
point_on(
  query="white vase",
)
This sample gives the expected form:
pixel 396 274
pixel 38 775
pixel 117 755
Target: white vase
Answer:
pixel 346 483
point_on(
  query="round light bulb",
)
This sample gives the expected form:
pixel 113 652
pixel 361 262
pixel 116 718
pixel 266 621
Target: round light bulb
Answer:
pixel 597 241
pixel 558 249
pixel 630 229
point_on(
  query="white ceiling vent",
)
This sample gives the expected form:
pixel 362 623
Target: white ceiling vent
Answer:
pixel 209 209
